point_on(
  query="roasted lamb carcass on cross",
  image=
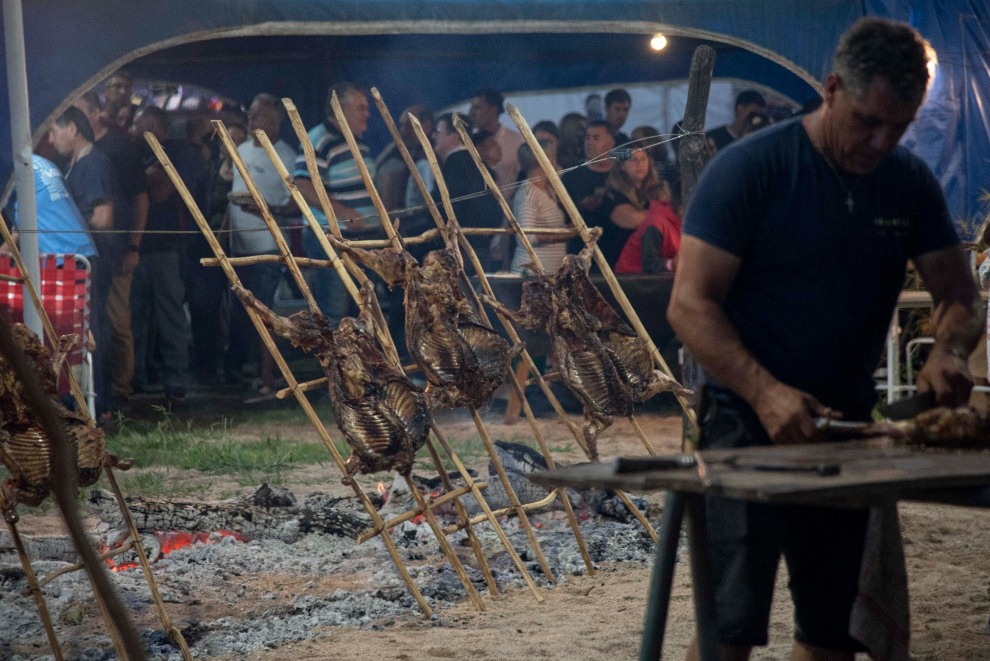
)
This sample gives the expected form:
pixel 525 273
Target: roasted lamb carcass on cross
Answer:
pixel 25 448
pixel 600 358
pixel 384 416
pixel 464 360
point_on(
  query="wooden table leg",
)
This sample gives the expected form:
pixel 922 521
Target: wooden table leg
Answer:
pixel 663 576
pixel 703 588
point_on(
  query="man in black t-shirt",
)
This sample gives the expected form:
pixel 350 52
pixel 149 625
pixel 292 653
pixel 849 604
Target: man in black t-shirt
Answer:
pixel 89 177
pixel 794 250
pixel 130 214
pixel 747 102
pixel 586 184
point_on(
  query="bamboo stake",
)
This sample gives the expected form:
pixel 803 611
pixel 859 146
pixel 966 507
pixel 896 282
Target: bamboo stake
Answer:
pixel 33 586
pixel 286 372
pixel 412 514
pixel 578 221
pixel 462 515
pixel 489 515
pixel 173 631
pixel 393 235
pixel 506 322
pixel 431 519
pixel 287 256
pixel 529 507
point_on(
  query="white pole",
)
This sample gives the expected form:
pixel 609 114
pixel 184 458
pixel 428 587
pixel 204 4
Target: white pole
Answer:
pixel 20 139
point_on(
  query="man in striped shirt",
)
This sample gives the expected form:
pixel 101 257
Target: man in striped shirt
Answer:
pixel 350 200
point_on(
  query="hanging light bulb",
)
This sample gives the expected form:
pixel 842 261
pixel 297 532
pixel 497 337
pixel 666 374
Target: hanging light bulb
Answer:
pixel 658 41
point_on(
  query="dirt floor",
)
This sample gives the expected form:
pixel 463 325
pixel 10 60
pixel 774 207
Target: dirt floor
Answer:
pixel 601 616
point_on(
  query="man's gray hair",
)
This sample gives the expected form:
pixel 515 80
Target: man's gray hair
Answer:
pixel 878 47
pixel 342 89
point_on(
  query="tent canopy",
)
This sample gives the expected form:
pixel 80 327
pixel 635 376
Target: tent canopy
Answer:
pixel 442 50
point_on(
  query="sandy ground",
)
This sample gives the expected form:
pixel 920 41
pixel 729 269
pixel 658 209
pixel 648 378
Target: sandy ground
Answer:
pixel 601 616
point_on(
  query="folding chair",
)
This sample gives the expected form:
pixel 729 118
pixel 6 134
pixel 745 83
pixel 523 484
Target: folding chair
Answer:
pixel 64 291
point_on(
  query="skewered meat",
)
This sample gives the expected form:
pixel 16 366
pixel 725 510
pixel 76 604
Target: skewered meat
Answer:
pixel 464 360
pixel 950 428
pixel 603 361
pixel 25 448
pixel 384 417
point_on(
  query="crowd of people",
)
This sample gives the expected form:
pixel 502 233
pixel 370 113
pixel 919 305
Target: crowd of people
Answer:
pixel 161 319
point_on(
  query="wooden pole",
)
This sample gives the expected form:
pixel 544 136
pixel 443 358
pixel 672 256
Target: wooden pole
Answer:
pixel 286 372
pixel 32 580
pixel 578 221
pixel 507 323
pixel 170 629
pixel 693 155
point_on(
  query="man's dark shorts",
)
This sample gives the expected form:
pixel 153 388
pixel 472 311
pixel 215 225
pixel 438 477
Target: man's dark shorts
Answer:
pixel 822 546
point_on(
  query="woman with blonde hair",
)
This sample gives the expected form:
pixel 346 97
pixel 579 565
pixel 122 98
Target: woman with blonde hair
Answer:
pixel 636 199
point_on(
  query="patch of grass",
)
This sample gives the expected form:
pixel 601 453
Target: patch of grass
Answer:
pixel 168 442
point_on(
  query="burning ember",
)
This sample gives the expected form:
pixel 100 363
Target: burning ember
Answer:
pixel 160 544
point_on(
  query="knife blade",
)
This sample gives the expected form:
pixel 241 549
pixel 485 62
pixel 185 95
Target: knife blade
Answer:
pixel 907 408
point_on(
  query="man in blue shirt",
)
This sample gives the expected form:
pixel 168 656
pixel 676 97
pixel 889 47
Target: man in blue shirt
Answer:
pixel 61 228
pixel 794 251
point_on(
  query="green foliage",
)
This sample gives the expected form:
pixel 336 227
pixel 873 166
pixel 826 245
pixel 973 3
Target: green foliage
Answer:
pixel 211 449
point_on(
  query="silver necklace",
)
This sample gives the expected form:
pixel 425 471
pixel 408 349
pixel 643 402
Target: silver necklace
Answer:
pixel 850 200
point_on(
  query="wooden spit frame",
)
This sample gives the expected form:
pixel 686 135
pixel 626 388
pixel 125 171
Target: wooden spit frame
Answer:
pixel 438 220
pixel 527 360
pixel 133 536
pixel 342 267
pixel 396 241
pixel 389 346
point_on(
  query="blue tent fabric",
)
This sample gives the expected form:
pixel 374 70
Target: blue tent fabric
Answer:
pixel 461 45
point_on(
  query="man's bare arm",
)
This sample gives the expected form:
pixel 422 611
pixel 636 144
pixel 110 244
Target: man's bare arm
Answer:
pixel 704 275
pixel 957 314
pixel 306 189
pixel 102 218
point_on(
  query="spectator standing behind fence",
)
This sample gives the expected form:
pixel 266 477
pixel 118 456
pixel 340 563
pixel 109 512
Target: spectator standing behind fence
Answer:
pixel 89 177
pixel 130 215
pixel 586 184
pixel 474 205
pixel 617 106
pixel 571 152
pixel 118 90
pixel 391 173
pixel 61 228
pixel 158 290
pixel 206 286
pixel 535 206
pixel 747 102
pixel 251 236
pixel 349 198
pixel 487 106
pixel 632 188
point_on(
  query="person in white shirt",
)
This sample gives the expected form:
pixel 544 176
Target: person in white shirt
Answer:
pixel 251 236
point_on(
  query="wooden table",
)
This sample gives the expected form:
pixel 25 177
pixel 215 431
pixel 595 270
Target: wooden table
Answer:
pixel 869 473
